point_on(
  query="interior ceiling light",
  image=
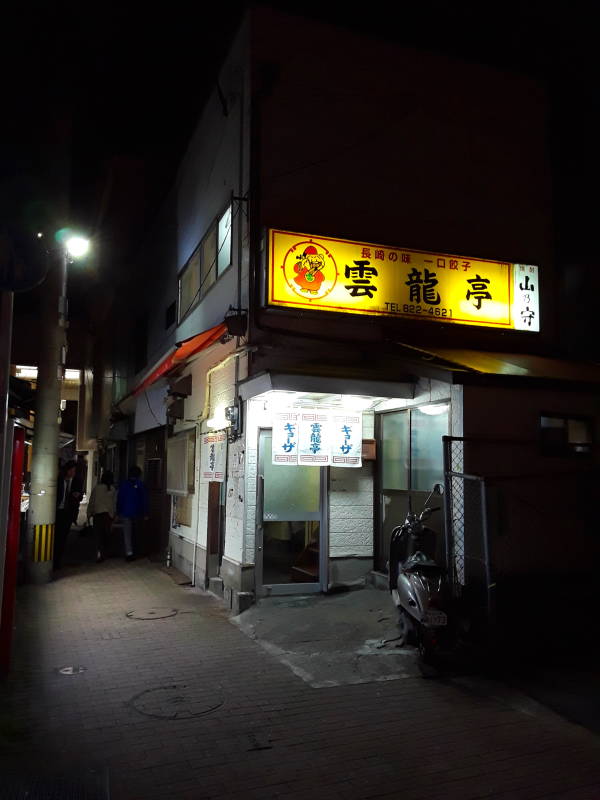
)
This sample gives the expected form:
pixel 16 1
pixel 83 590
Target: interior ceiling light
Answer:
pixel 357 403
pixel 434 410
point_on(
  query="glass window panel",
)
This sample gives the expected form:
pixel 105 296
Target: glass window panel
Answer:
pixel 579 431
pixel 209 258
pixel 189 285
pixel 395 444
pixel 290 492
pixel 191 462
pixel 427 459
pixel 552 422
pixel 224 242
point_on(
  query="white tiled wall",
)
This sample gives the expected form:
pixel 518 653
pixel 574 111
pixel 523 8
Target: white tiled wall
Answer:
pixel 256 417
pixel 235 503
pixel 351 505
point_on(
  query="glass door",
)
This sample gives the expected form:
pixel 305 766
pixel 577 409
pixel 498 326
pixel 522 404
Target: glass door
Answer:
pixel 291 554
pixel 411 462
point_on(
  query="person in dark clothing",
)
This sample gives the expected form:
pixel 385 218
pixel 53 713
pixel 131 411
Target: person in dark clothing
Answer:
pixel 69 492
pixel 132 508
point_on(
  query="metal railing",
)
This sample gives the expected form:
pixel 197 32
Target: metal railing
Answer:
pixel 467 531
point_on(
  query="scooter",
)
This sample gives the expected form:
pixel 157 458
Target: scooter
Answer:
pixel 418 584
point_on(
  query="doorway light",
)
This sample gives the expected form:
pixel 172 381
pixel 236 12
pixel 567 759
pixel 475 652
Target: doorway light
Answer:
pixel 280 400
pixel 356 403
pixel 219 421
pixel 435 409
pixel 22 371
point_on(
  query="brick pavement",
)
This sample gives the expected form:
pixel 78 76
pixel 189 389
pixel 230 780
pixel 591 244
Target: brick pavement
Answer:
pixel 188 707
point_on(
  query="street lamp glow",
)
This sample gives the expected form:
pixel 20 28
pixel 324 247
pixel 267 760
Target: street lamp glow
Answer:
pixel 77 246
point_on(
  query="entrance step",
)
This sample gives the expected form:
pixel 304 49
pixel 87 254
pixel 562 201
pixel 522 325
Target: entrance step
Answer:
pixel 215 585
pixel 302 574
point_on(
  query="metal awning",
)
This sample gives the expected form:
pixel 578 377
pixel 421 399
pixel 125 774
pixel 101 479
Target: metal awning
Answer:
pixel 180 353
pixel 176 356
pixel 519 365
pixel 330 384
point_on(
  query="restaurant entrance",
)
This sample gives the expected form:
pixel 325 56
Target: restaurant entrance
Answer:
pixel 291 522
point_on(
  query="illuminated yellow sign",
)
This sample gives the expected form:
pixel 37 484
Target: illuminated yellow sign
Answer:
pixel 312 272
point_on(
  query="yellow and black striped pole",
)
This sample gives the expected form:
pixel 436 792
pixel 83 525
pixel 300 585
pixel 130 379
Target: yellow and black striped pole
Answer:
pixel 43 543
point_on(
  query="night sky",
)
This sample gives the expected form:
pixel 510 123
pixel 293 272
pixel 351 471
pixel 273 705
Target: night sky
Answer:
pixel 129 82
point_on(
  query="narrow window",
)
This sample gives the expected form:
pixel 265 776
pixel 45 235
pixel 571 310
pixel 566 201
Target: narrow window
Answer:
pixel 224 242
pixel 209 260
pixel 189 284
pixel 564 436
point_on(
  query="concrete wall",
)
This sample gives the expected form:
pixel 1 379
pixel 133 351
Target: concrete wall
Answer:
pixel 406 148
pixel 209 176
pixel 541 508
pixel 150 408
pixel 204 370
pixel 212 171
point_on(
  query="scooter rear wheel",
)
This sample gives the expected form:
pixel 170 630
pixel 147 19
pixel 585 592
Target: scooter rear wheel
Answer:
pixel 404 628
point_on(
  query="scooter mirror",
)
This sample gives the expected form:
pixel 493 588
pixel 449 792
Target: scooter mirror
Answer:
pixel 438 489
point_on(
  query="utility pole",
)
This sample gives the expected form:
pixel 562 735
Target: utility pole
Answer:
pixel 51 372
pixel 44 462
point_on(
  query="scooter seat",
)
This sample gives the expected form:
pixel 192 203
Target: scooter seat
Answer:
pixel 419 561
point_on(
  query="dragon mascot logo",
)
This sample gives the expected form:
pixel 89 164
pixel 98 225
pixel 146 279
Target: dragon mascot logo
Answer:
pixel 310 270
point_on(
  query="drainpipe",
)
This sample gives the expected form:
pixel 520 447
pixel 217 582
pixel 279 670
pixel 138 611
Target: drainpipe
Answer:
pixel 197 485
pixel 240 225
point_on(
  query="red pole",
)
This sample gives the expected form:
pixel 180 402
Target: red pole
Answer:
pixel 12 550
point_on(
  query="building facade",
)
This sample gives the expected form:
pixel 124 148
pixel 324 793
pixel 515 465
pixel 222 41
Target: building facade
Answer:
pixel 355 261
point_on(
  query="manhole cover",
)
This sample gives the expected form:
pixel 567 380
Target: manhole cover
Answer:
pixel 152 613
pixel 178 701
pixel 70 670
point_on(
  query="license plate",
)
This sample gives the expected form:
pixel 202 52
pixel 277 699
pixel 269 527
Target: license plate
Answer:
pixel 435 618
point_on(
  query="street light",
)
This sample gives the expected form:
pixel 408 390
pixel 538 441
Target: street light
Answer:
pixel 72 246
pixel 77 246
pixel 51 371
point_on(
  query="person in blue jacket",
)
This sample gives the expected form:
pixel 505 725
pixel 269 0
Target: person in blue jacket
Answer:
pixel 132 508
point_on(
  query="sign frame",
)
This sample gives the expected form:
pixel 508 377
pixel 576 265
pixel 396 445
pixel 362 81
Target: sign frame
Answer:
pixel 305 272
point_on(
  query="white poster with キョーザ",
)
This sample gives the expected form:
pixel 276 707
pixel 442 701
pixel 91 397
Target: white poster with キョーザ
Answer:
pixel 346 439
pixel 214 456
pixel 284 442
pixel 314 442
